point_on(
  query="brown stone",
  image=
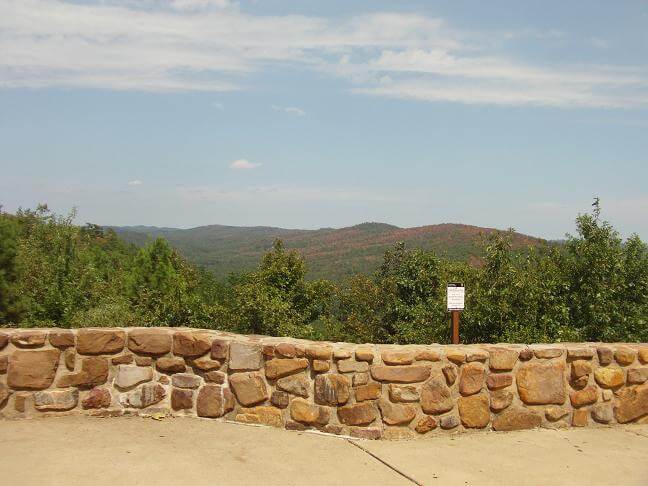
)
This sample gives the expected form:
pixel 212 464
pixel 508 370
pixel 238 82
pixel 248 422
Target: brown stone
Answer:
pixel 609 377
pixel 357 414
pixel 129 376
pixel 333 429
pixel 263 415
pixel 427 355
pixel 219 349
pixel 287 350
pixel 450 373
pixel 555 413
pixel 400 374
pixel 20 401
pixel 29 339
pixel 122 359
pixel 500 399
pixel 350 366
pixel 602 413
pixel 4 364
pixel 332 389
pixel 32 370
pixel 471 379
pixel 631 403
pixel 547 353
pixel 637 376
pixel 292 425
pixel 100 341
pixel 360 379
pixel 249 388
pixel 56 400
pixel 181 399
pixel 393 414
pixel 321 366
pixel 268 351
pixel 245 356
pixel 369 433
pixel 474 411
pixel 449 422
pixel 308 413
pixel 69 357
pixel 280 399
pixel 170 364
pixel 205 364
pixel 580 417
pixel 643 355
pixel 425 424
pixel 580 353
pixel 143 360
pixel 517 418
pixel 364 354
pixel 502 359
pixel 185 380
pixel 586 396
pixel 217 377
pixel 457 357
pixel 94 372
pixel 190 344
pixel 624 356
pixel 525 354
pixel 392 357
pixel 497 381
pixel 436 397
pixel 163 379
pixel 214 401
pixel 341 353
pixel 580 368
pixel 605 356
pixel 476 355
pixel 372 391
pixel 5 393
pixel 4 340
pixel 149 341
pixel 298 385
pixel 579 383
pixel 404 393
pixel 97 398
pixel 277 368
pixel 319 352
pixel 541 383
pixel 61 339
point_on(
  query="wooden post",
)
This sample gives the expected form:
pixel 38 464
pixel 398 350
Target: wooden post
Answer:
pixel 455 326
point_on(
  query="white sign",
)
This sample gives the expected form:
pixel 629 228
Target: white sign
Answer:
pixel 456 296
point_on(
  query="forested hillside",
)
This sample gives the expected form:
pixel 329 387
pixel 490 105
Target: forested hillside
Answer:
pixel 331 253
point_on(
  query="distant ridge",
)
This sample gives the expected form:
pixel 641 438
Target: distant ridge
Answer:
pixel 330 252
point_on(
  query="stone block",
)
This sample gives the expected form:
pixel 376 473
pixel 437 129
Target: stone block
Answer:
pixel 400 374
pixel 214 401
pixel 278 368
pixel 152 341
pixel 181 399
pixel 404 393
pixel 371 391
pixel 332 389
pixel 541 383
pixel 474 411
pixel 609 377
pixel 298 385
pixel 392 357
pixel 170 364
pixel 249 388
pixel 245 356
pixel 32 370
pixel 129 376
pixel 190 344
pixel 263 415
pixel 436 397
pixel 517 418
pixel 357 414
pixel 100 341
pixel 185 380
pixel 500 400
pixel 307 413
pixel 29 339
pixel 56 400
pixel 471 379
pixel 61 339
pixel 502 359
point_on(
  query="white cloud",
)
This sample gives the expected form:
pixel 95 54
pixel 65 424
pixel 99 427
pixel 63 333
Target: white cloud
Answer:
pixel 243 164
pixel 135 182
pixel 291 110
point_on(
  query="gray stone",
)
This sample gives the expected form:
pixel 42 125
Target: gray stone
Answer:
pixel 130 376
pixel 56 400
pixel 185 380
pixel 244 356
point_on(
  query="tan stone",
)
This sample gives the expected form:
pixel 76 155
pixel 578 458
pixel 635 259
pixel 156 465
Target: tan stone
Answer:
pixel 364 354
pixel 69 357
pixel 97 398
pixel 607 395
pixel 321 366
pixel 214 401
pixel 497 381
pixel 392 357
pixel 393 414
pixel 5 393
pixel 287 350
pixel 130 376
pixel 631 403
pixel 427 355
pixel 100 341
pixel 217 377
pixel 517 418
pixel 163 379
pixel 298 385
pixel 548 353
pixel 29 339
pixel 586 396
pixel 94 372
pixel 605 355
pixel 350 366
pixel 580 353
pixel 404 393
pixel 456 356
pixel 450 373
pixel 580 417
pixel 190 344
pixel 471 379
pixel 609 377
pixel 643 355
pixel 357 414
pixel 61 339
pixel 555 413
pixel 205 364
pixel 268 351
pixel 602 413
pixel 220 349
pixel 580 368
pixel 32 370
pixel 500 399
pixel 637 376
pixel 436 397
pixel 341 353
pixel 369 433
pixel 400 374
pixel 502 359
pixel 181 399
pixel 541 383
pixel 56 400
pixel 307 413
pixel 170 364
pixel 20 401
pixel 580 383
pixel 319 352
pixel 474 411
pixel 122 359
pixel 425 424
pixel 249 388
pixel 4 364
pixel 185 380
pixel 264 415
pixel 4 340
pixel 397 433
pixel 277 368
pixel 624 356
pixel 360 379
pixel 372 391
pixel 245 356
pixel 476 355
pixel 332 389
pixel 149 341
pixel 279 399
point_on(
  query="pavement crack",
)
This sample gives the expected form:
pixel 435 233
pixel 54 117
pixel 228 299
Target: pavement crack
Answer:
pixel 381 460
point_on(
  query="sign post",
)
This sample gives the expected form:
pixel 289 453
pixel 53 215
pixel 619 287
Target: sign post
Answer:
pixel 456 302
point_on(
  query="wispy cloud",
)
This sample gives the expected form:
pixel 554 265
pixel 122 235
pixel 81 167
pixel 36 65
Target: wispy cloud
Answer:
pixel 135 182
pixel 291 110
pixel 243 164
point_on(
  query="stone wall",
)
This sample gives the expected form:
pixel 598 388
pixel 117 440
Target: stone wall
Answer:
pixel 364 390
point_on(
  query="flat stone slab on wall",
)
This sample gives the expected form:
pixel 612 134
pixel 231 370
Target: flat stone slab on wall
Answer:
pixel 366 391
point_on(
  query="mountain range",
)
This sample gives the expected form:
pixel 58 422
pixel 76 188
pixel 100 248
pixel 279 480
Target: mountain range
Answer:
pixel 330 253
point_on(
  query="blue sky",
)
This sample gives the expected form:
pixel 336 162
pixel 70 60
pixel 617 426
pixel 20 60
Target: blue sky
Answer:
pixel 310 114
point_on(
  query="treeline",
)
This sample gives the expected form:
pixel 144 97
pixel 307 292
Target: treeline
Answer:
pixel 594 287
